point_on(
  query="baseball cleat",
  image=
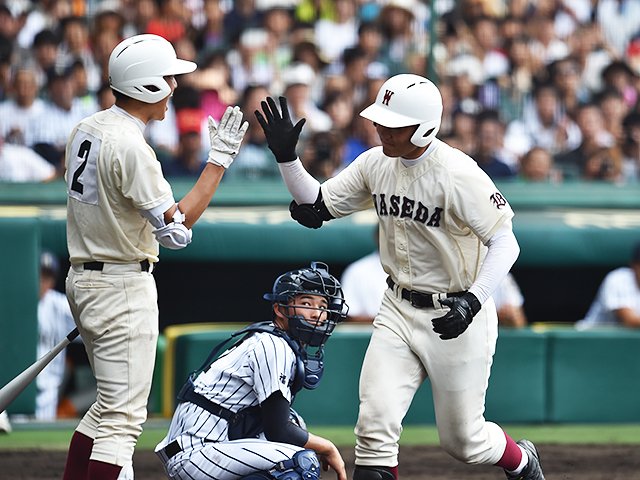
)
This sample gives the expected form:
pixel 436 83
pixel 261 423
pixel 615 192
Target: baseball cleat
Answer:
pixel 533 470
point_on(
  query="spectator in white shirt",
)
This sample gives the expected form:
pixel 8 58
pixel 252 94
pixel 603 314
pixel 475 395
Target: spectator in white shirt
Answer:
pixel 617 302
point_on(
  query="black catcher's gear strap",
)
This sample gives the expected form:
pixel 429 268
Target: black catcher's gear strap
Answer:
pixel 310 215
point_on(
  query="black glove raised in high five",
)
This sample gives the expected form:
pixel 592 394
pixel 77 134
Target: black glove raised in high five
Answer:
pixel 282 135
pixel 458 318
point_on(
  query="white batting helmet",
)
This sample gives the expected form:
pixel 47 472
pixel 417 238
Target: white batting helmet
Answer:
pixel 408 99
pixel 138 64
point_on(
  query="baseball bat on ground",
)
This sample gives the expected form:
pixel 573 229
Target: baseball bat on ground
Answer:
pixel 11 390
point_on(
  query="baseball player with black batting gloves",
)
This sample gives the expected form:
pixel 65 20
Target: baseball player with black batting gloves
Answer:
pixel 446 242
pixel 119 210
pixel 234 419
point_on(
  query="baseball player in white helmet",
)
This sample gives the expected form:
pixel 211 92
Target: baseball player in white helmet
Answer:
pixel 234 419
pixel 446 242
pixel 119 210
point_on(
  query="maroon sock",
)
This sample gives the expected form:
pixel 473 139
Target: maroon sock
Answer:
pixel 103 471
pixel 394 471
pixel 512 455
pixel 77 464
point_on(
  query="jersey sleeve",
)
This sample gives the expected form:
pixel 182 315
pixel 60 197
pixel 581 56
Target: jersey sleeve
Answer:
pixel 618 290
pixel 477 202
pixel 348 191
pixel 273 366
pixel 142 178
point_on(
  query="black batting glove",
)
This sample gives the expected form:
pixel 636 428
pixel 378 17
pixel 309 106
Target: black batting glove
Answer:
pixel 282 135
pixel 458 318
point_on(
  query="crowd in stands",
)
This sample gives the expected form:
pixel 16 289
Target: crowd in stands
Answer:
pixel 533 90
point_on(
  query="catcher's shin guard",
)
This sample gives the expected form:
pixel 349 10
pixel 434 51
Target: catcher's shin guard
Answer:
pixel 373 473
pixel 304 465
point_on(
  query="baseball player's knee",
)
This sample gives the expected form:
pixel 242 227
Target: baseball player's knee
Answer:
pixel 372 473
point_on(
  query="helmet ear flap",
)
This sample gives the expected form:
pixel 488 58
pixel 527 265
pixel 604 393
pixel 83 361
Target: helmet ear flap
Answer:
pixel 425 133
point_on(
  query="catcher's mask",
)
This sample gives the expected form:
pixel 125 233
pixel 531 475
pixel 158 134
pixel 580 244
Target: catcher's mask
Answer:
pixel 314 280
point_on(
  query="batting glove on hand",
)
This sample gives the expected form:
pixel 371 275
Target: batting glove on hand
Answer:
pixel 458 318
pixel 226 137
pixel 282 135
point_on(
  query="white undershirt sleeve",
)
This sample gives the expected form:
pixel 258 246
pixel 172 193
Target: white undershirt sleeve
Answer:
pixel 302 186
pixel 502 254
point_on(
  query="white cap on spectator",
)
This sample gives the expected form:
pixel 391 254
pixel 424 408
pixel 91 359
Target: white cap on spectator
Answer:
pixel 253 38
pixel 298 74
pixel 468 65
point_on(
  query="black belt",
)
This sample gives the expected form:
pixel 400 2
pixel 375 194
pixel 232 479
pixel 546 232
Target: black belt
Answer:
pixel 419 299
pixel 144 265
pixel 172 449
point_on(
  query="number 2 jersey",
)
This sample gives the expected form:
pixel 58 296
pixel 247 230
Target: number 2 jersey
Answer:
pixel 112 174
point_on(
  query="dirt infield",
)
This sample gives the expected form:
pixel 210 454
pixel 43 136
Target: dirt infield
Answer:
pixel 561 462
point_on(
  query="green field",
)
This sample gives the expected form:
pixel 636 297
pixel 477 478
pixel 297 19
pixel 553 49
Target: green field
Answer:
pixel 56 436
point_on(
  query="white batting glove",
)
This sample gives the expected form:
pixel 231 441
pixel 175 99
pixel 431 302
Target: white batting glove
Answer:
pixel 226 137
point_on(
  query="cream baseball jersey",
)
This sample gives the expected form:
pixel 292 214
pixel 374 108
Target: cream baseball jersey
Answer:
pixel 112 174
pixel 434 215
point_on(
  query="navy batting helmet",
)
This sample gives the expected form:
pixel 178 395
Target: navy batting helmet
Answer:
pixel 315 280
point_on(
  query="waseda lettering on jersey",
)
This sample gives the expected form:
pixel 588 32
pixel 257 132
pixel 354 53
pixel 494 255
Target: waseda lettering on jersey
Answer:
pixel 387 96
pixel 404 207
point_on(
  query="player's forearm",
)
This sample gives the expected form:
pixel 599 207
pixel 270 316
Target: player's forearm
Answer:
pixel 302 186
pixel 197 200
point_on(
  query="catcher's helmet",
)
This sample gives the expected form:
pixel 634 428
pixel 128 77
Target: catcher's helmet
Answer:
pixel 315 280
pixel 405 100
pixel 138 64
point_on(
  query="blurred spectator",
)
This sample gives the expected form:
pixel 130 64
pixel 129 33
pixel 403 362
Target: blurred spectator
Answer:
pixel 277 21
pixel 76 46
pixel 604 164
pixel 370 41
pixel 517 84
pixel 45 53
pixel 19 163
pixel 592 56
pixel 404 45
pixel 361 136
pixel 242 16
pixel 306 51
pixel 19 112
pixel 170 20
pixel 573 163
pixel 509 303
pixel 54 323
pixel 364 282
pixel 490 153
pixel 211 35
pixel 43 15
pixel 6 57
pixel 298 79
pixel 339 106
pixel 189 159
pixel 619 21
pixel 631 148
pixel 614 110
pixel 323 153
pixel 62 111
pixel 463 135
pixel 565 76
pixel 254 160
pixel 213 80
pixel 619 76
pixel 545 45
pixel 487 47
pixel 537 166
pixel 543 124
pixel 250 62
pixel 335 34
pixel 617 302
